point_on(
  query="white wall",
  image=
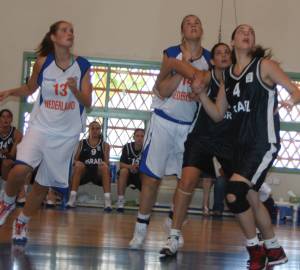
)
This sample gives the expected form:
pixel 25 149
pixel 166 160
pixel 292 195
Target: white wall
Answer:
pixel 140 29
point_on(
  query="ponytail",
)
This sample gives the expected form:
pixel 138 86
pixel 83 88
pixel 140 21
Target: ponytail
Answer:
pixel 47 46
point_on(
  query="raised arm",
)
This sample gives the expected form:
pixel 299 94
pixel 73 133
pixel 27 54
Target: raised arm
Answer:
pixel 272 74
pixel 28 88
pixel 166 83
pixel 216 111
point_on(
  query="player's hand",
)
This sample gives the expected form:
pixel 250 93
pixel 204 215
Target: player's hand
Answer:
pixel 72 83
pixel 286 104
pixel 134 168
pixel 4 95
pixel 194 97
pixel 198 85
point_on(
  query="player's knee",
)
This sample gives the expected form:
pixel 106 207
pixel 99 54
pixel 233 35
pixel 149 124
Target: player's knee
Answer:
pixel 188 185
pixel 236 196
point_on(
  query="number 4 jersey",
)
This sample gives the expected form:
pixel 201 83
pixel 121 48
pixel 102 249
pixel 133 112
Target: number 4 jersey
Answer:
pixel 56 109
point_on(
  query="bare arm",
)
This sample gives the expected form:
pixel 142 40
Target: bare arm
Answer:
pixel 76 158
pixel 85 95
pixel 126 166
pixel 28 88
pixel 166 83
pixel 216 111
pixel 106 153
pixel 17 139
pixel 272 74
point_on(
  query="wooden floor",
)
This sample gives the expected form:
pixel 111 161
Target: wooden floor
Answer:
pixel 87 238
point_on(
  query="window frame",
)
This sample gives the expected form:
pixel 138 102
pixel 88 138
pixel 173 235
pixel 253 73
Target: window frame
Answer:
pixel 107 112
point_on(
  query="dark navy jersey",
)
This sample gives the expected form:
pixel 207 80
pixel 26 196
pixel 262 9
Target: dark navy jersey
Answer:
pixel 7 142
pixel 253 105
pixel 130 155
pixel 91 155
pixel 204 125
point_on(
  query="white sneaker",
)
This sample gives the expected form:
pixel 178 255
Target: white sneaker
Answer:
pixel 107 205
pixel 5 210
pixel 71 203
pixel 140 233
pixel 167 228
pixel 120 206
pixel 19 232
pixel 171 247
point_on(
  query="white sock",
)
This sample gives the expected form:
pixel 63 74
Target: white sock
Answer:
pixel 9 199
pixel 121 198
pixel 175 232
pixel 25 188
pixel 252 242
pixel 73 195
pixel 271 243
pixel 107 200
pixel 142 216
pixel 23 218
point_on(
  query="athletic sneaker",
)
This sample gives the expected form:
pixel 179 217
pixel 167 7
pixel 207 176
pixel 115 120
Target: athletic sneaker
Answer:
pixel 167 228
pixel 171 247
pixel 71 202
pixel 120 206
pixel 258 257
pixel 19 236
pixel 276 256
pixel 139 236
pixel 5 210
pixel 21 201
pixel 107 205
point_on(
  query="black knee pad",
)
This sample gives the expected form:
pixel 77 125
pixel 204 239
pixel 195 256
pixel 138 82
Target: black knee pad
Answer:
pixel 239 190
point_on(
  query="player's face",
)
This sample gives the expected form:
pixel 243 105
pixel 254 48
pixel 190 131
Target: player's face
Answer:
pixel 222 57
pixel 139 137
pixel 95 130
pixel 64 35
pixel 244 37
pixel 191 28
pixel 5 119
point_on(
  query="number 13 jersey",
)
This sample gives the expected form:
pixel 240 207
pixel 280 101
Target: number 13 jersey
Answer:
pixel 56 109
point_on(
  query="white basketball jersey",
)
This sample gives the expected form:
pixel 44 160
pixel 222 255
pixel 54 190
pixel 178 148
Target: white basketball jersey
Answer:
pixel 179 106
pixel 57 111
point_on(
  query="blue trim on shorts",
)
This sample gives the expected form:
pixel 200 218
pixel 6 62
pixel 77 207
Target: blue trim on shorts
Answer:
pixel 162 114
pixel 20 162
pixel 143 167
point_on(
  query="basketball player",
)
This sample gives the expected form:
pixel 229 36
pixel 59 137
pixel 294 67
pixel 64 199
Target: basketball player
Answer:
pixel 208 133
pixel 56 121
pixel 129 166
pixel 170 123
pixel 250 91
pixel 9 138
pixel 92 165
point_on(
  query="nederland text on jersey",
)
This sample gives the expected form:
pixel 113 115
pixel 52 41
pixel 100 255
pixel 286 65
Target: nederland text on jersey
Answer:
pixel 59 105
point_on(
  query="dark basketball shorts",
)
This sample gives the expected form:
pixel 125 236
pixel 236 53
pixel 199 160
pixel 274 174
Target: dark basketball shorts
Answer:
pixel 91 175
pixel 254 161
pixel 199 153
pixel 134 179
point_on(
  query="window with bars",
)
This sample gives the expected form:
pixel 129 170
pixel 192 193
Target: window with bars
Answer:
pixel 122 98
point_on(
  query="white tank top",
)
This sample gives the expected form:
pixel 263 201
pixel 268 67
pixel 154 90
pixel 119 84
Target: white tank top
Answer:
pixel 179 106
pixel 56 110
